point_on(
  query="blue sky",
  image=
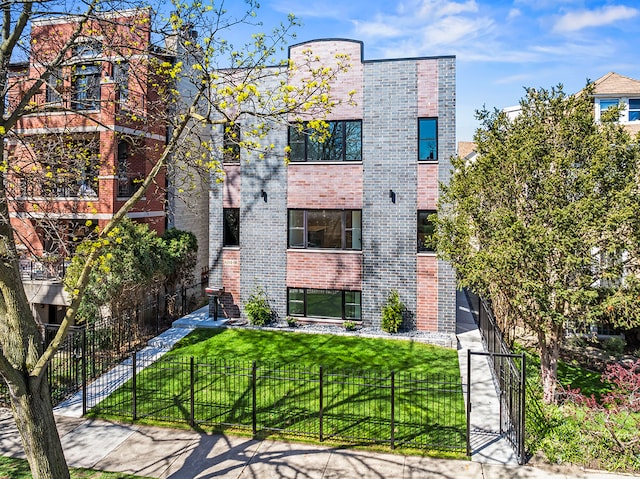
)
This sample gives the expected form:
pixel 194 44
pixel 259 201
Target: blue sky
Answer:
pixel 501 46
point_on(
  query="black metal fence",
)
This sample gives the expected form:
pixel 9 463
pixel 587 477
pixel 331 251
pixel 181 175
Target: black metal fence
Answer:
pixel 509 372
pixel 90 350
pixel 399 409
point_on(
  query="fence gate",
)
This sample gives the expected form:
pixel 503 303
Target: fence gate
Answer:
pixel 510 379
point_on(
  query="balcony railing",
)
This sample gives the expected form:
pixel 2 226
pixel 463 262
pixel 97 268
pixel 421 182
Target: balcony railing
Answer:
pixel 43 269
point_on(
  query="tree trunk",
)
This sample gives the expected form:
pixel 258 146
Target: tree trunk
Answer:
pixel 549 342
pixel 33 414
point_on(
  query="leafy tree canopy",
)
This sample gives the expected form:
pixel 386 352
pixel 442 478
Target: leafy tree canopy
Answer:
pixel 544 221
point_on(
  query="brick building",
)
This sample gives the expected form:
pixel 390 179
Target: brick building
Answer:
pixel 92 132
pixel 329 234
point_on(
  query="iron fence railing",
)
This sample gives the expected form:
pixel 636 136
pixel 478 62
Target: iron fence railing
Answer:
pixel 509 375
pixel 398 409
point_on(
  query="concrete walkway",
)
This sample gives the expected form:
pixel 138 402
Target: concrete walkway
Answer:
pixel 487 445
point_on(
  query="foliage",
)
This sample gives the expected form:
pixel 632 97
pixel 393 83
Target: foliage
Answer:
pixel 608 427
pixel 258 309
pixel 349 325
pixel 614 345
pixel 132 260
pixel 392 313
pixel 292 321
pixel 521 222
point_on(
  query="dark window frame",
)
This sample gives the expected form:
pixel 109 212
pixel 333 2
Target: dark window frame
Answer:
pixel 422 137
pixel 303 138
pixel 230 238
pixel 344 229
pixel 343 293
pixel 86 86
pixel 423 216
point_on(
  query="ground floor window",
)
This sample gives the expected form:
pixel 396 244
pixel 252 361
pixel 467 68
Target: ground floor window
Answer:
pixel 324 303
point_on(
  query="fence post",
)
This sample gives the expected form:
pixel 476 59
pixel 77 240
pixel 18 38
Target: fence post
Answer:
pixel 84 371
pixel 134 414
pixel 321 404
pixel 523 393
pixel 254 426
pixel 393 408
pixel 192 388
pixel 469 402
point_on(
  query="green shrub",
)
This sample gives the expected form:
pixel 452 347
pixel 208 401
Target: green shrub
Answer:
pixel 292 322
pixel 349 325
pixel 392 313
pixel 614 345
pixel 258 309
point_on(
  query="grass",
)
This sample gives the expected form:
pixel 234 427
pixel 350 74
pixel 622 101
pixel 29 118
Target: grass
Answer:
pixel 12 468
pixel 428 400
pixel 343 352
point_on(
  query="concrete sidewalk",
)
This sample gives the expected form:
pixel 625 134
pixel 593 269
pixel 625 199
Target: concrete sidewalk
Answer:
pixel 164 453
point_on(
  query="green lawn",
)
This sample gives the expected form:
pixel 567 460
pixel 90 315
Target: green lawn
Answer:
pixel 358 390
pixel 317 349
pixel 11 468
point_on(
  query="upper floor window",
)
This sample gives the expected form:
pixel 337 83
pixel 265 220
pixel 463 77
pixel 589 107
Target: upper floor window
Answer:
pixel 54 88
pixel 121 79
pixel 86 87
pixel 426 228
pixel 90 48
pixel 331 229
pixel 342 143
pixel 630 108
pixel 634 109
pixel 231 143
pixel 427 139
pixel 231 227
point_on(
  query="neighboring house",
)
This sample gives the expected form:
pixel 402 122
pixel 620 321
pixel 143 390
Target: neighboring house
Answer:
pixel 87 142
pixel 329 234
pixel 613 90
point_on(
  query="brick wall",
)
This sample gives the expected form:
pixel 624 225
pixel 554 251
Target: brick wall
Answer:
pixel 427 302
pixel 427 186
pixel 324 270
pixel 325 186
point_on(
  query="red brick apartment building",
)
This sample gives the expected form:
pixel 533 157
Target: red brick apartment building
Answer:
pixel 329 235
pixel 91 134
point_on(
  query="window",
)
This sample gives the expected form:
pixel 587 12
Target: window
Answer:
pixel 343 143
pixel 86 87
pixel 231 230
pixel 324 303
pixel 426 229
pixel 427 139
pixel 54 88
pixel 90 48
pixel 634 109
pixel 327 229
pixel 125 182
pixel 231 143
pixel 121 79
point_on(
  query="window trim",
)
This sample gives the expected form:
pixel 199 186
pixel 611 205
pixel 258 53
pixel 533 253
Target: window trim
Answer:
pixel 420 139
pixel 226 243
pixel 423 249
pixel 305 308
pixel 306 137
pixel 305 231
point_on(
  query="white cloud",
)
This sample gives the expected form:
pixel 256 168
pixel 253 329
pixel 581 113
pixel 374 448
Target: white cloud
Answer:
pixel 514 13
pixel 377 29
pixel 577 20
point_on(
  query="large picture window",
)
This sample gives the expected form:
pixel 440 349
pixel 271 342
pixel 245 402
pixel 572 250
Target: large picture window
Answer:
pixel 231 230
pixel 428 139
pixel 344 142
pixel 327 229
pixel 426 229
pixel 324 303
